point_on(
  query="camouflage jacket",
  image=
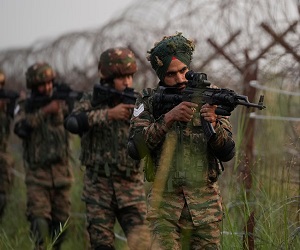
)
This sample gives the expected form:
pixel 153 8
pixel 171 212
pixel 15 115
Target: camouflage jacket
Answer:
pixel 105 142
pixel 47 140
pixel 5 121
pixel 189 147
pixel 181 163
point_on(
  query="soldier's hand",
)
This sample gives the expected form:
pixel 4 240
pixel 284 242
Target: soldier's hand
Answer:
pixel 53 107
pixel 183 112
pixel 208 112
pixel 120 112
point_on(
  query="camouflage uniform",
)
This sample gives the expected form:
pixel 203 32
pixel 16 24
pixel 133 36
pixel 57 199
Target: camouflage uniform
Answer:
pixel 46 160
pixel 6 161
pixel 184 203
pixel 113 183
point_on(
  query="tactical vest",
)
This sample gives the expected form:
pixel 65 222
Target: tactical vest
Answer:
pixel 105 145
pixel 191 162
pixel 48 143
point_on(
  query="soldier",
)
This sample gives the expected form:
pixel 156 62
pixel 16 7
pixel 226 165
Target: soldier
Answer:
pixel 6 161
pixel 113 184
pixel 46 157
pixel 184 203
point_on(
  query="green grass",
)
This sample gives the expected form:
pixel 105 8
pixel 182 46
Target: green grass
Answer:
pixel 275 194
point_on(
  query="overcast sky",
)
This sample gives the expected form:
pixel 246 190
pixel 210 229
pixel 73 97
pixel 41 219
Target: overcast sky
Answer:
pixel 23 22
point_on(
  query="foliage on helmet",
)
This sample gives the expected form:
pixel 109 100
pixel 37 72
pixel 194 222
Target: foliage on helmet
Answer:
pixel 2 78
pixel 38 74
pixel 116 62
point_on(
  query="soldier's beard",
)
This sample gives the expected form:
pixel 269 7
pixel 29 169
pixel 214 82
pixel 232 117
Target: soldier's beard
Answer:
pixel 180 86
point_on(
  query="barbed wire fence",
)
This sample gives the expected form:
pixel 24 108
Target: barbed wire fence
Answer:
pixel 75 55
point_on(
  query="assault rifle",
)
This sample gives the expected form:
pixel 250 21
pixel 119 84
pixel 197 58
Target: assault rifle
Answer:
pixel 104 93
pixel 10 97
pixel 198 91
pixel 61 91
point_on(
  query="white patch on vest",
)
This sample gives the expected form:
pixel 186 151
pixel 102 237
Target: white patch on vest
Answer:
pixel 138 110
pixel 17 109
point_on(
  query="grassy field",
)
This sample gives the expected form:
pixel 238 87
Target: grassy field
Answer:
pixel 274 198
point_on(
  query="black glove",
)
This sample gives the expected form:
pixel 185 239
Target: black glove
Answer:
pixel 23 129
pixel 77 124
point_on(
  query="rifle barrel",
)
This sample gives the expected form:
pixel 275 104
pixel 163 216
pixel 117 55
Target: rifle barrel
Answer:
pixel 249 104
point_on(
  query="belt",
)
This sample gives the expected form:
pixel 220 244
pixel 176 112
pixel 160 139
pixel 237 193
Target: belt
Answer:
pixel 183 178
pixel 104 170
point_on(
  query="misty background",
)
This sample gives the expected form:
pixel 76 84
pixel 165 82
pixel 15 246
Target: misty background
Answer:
pixel 24 23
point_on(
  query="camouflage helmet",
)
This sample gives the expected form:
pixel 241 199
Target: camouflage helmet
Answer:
pixel 38 74
pixel 116 62
pixel 2 78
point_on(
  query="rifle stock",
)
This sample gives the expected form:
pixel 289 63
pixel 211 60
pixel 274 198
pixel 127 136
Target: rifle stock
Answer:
pixel 60 92
pixel 104 93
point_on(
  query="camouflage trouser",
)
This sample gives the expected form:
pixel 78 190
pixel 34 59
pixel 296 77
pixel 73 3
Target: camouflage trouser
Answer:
pixel 49 204
pixel 53 204
pixel 101 227
pixel 103 208
pixel 182 235
pixel 6 179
